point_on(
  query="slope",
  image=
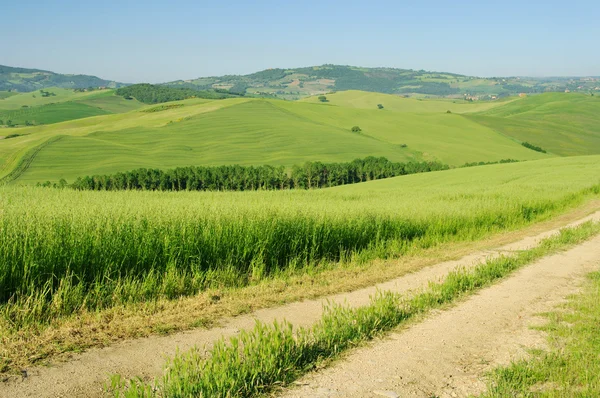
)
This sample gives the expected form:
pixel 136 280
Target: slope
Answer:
pixel 251 132
pixel 564 124
pixel 449 138
pixel 370 100
pixel 55 105
pixel 24 80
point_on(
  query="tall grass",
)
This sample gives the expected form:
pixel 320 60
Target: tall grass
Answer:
pixel 271 355
pixel 64 251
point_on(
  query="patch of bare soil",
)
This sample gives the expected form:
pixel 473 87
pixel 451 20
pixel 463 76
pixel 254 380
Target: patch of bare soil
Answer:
pixel 86 374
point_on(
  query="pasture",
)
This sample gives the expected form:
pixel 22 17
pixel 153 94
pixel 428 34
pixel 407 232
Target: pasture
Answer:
pixel 563 124
pixel 249 131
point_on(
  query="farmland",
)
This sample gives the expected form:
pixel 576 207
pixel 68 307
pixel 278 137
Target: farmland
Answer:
pixel 71 251
pixel 72 257
pixel 250 131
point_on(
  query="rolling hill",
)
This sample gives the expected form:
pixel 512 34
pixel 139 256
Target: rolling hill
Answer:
pixel 26 80
pixel 298 83
pixel 251 131
pixel 53 105
pixel 564 124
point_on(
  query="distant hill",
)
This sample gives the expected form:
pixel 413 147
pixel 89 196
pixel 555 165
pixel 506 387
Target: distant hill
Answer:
pixel 27 80
pixel 303 82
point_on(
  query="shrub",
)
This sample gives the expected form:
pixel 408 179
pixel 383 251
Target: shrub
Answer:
pixel 379 106
pixel 533 147
pixel 323 98
pixel 356 129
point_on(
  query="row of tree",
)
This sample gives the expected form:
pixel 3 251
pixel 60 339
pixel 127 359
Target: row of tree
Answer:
pixel 310 175
pixel 155 94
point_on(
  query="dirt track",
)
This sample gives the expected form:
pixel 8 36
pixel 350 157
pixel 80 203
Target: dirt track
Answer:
pixel 85 374
pixel 447 354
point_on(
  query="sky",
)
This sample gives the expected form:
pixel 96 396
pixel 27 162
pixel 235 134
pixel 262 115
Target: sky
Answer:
pixel 159 41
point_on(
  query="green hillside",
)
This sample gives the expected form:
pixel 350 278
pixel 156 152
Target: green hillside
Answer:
pixel 564 124
pixel 253 132
pixel 51 113
pixel 25 80
pixel 368 100
pixel 54 105
pixel 449 138
pixel 296 83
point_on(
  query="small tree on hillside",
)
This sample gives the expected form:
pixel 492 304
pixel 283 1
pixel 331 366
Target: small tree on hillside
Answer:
pixel 379 106
pixel 322 98
pixel 356 129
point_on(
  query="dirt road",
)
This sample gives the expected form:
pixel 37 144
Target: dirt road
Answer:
pixel 448 354
pixel 85 374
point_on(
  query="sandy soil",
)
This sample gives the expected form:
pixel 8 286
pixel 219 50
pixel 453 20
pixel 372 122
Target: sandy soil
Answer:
pixel 86 374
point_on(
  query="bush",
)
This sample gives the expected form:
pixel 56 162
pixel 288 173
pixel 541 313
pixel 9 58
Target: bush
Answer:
pixel 356 129
pixel 379 106
pixel 323 98
pixel 533 147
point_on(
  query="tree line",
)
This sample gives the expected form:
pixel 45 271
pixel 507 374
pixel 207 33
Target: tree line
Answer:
pixel 310 175
pixel 155 94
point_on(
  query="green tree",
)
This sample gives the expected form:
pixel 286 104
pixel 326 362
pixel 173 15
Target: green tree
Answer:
pixel 322 98
pixel 356 129
pixel 379 106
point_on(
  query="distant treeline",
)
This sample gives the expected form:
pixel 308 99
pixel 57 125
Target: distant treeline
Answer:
pixel 155 94
pixel 250 178
pixel 472 164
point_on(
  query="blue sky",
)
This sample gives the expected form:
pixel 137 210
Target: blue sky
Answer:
pixel 157 41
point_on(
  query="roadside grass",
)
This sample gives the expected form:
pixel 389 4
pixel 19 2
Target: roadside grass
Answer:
pixel 571 365
pixel 38 344
pixel 270 356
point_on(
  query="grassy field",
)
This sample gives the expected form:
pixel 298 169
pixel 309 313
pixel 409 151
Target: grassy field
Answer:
pixel 6 94
pixel 51 113
pixel 63 251
pixel 368 100
pixel 449 138
pixel 253 132
pixel 65 105
pixel 563 124
pixel 35 98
